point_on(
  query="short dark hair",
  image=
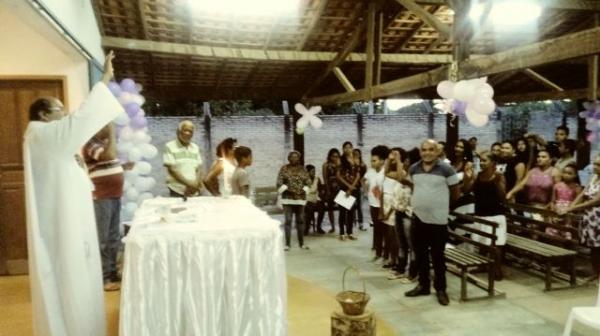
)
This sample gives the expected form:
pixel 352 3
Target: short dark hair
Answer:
pixel 508 142
pixel 402 152
pixel 564 128
pixel 347 143
pixel 242 152
pixel 380 151
pixel 309 167
pixel 39 105
pixel 473 138
pixel 495 144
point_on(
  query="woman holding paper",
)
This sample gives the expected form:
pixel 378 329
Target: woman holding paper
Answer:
pixel 293 182
pixel 348 177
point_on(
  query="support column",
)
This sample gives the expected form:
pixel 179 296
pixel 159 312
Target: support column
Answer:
pixel 298 138
pixel 207 116
pixel 287 129
pixel 370 50
pixel 584 147
pixel 360 125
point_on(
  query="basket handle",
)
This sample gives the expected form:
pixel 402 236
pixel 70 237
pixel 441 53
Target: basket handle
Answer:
pixel 358 274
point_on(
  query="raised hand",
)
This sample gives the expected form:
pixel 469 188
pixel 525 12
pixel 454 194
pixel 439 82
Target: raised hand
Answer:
pixel 108 67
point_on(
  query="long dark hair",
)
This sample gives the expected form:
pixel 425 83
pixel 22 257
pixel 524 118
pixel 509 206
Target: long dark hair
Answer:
pixel 331 152
pixel 225 146
pixel 467 152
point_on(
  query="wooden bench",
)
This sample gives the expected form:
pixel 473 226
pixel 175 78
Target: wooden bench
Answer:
pixel 528 238
pixel 463 263
pixel 265 198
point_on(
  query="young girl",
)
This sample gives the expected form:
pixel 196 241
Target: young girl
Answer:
pixel 563 195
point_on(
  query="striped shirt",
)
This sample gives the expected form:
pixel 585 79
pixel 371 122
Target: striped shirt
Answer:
pixel 107 176
pixel 186 159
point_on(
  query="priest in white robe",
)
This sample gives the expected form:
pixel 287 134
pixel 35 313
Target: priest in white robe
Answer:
pixel 64 260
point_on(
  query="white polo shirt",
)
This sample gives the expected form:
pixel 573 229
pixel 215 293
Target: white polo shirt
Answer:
pixel 374 182
pixel 186 159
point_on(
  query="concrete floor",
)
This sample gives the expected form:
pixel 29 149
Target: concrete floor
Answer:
pixel 527 310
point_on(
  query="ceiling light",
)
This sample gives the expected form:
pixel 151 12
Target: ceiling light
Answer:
pixel 246 7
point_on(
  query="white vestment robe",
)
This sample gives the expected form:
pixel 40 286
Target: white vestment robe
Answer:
pixel 64 258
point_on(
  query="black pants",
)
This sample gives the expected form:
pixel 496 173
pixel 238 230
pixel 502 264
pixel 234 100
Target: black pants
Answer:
pixel 359 214
pixel 430 237
pixel 290 210
pixel 309 215
pixel 174 194
pixel 378 231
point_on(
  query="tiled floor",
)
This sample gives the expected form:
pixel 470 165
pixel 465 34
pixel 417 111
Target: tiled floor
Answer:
pixel 527 310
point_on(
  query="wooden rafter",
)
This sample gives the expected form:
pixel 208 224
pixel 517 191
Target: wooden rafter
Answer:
pixel 370 47
pixel 442 28
pixel 261 55
pixel 142 18
pixel 593 68
pixel 574 45
pixel 542 80
pixel 343 79
pixel 589 5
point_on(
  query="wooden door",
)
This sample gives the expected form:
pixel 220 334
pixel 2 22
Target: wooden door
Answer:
pixel 16 95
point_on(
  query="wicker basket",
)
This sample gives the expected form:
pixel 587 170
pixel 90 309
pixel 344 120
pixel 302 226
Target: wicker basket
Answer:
pixel 352 302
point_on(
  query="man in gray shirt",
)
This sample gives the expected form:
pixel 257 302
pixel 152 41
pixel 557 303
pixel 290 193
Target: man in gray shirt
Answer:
pixel 435 189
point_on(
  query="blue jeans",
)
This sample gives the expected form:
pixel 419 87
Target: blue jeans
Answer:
pixel 108 212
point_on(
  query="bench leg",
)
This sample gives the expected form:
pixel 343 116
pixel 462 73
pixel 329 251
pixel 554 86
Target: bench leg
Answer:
pixel 463 284
pixel 548 278
pixel 573 277
pixel 491 278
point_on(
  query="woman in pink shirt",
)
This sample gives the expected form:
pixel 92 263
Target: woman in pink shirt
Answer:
pixel 539 182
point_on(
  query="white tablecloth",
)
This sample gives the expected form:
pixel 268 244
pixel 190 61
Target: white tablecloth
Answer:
pixel 214 268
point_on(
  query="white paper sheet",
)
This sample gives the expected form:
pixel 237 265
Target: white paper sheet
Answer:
pixel 346 202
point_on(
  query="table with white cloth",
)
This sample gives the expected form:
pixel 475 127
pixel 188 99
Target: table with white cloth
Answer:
pixel 207 266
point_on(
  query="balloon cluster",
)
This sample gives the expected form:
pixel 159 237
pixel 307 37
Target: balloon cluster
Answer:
pixel 592 118
pixel 309 116
pixel 133 144
pixel 473 98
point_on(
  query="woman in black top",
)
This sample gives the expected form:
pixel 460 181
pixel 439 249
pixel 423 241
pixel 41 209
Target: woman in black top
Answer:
pixel 489 189
pixel 330 168
pixel 348 176
pixel 362 167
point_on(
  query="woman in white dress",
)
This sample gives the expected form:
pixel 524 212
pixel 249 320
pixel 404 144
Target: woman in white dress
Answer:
pixel 219 179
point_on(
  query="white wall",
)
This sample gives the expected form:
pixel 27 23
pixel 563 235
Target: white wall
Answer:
pixel 30 46
pixel 77 16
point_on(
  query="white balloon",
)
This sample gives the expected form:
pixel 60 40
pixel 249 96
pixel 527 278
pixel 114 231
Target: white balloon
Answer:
pixel 142 112
pixel 300 131
pixel 126 98
pixel 483 105
pixel 130 208
pixel 302 122
pixel 135 154
pixel 138 137
pixel 145 196
pixel 464 90
pixel 139 87
pixel 148 151
pixel 143 167
pixel 138 99
pixel 476 119
pixel 484 90
pixel 124 146
pixel 144 183
pixel 122 119
pixel 132 194
pixel 131 175
pixel 126 185
pixel 126 134
pixel 446 89
pixel 316 122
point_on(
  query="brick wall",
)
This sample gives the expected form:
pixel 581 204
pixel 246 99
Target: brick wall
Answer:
pixel 270 143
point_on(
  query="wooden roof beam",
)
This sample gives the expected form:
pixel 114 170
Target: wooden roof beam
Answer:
pixel 313 22
pixel 442 28
pixel 259 54
pixel 539 96
pixel 574 45
pixel 586 5
pixel 542 80
pixel 343 79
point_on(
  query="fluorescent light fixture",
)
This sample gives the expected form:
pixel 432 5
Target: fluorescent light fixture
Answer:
pixel 246 7
pixel 508 12
pixel 396 104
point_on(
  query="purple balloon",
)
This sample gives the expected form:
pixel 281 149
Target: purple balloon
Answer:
pixel 459 107
pixel 596 115
pixel 128 85
pixel 114 88
pixel 132 109
pixel 123 157
pixel 138 122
